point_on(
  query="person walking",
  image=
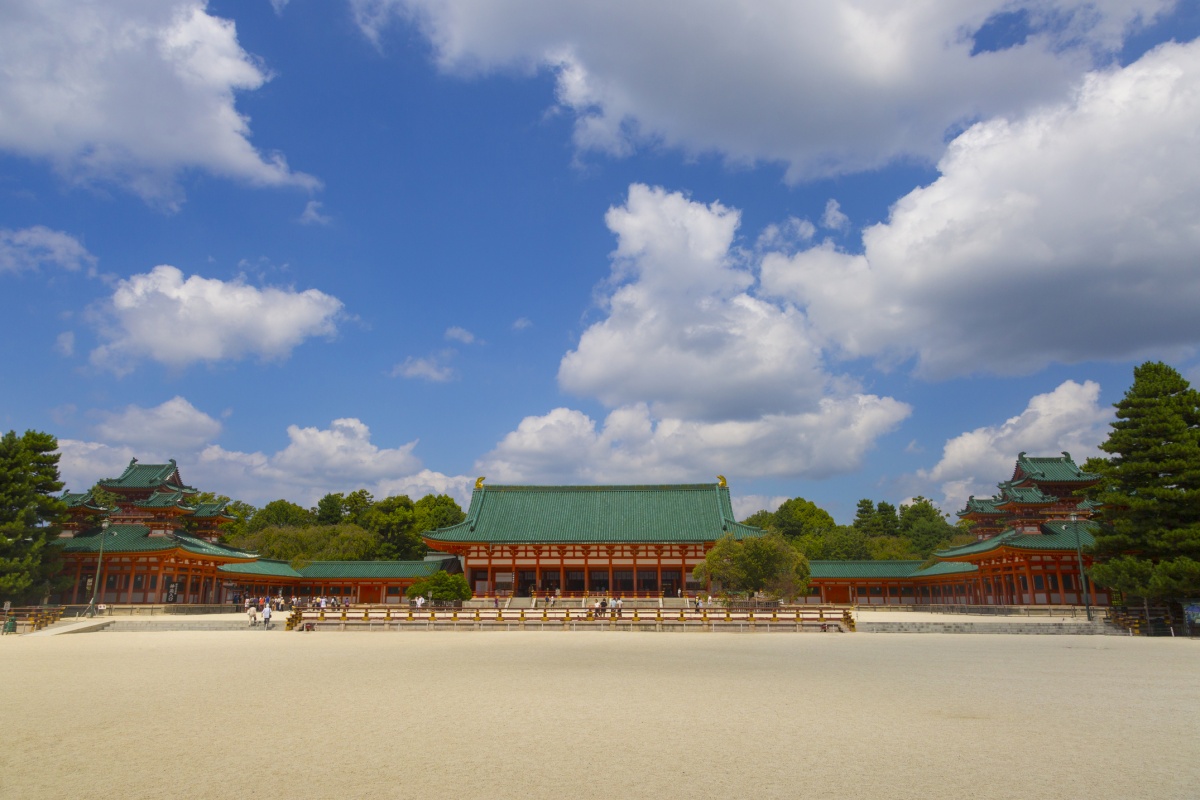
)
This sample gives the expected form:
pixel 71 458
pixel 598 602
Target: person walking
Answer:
pixel 266 616
pixel 252 613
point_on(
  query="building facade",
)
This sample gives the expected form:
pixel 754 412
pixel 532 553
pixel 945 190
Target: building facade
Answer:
pixel 626 540
pixel 1029 550
pixel 154 544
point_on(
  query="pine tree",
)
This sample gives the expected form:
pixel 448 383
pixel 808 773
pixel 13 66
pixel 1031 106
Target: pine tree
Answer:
pixel 1150 518
pixel 29 513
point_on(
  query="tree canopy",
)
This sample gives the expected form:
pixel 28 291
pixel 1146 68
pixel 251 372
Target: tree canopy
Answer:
pixel 768 563
pixel 364 529
pixel 441 585
pixel 30 512
pixel 1149 529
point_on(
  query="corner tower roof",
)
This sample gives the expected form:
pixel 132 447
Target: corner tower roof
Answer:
pixel 149 476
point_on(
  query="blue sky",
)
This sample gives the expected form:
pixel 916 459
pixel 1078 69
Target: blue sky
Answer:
pixel 829 250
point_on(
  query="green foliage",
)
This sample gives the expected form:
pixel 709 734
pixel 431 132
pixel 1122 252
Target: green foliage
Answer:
pixel 1150 488
pixel 799 517
pixel 891 548
pixel 876 520
pixel 838 543
pixel 392 520
pixel 768 563
pixel 279 514
pixel 241 513
pixel 329 510
pixel 925 527
pixel 761 519
pixel 300 545
pixel 357 506
pixel 436 511
pixel 29 515
pixel 441 586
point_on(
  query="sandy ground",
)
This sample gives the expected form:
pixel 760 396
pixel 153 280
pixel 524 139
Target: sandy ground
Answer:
pixel 586 715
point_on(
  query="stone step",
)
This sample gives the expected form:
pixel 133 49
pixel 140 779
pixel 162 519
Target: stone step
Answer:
pixel 1084 628
pixel 128 626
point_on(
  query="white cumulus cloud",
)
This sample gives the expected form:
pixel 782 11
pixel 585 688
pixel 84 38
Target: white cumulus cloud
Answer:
pixel 566 445
pixel 823 88
pixel 29 249
pixel 1069 419
pixel 316 461
pixel 427 369
pixel 682 330
pixel 1065 234
pixel 131 92
pixel 164 317
pixel 173 425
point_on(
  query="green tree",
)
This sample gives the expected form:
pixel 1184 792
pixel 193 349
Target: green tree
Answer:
pixel 925 527
pixel 331 509
pixel 357 506
pixel 241 512
pixel 838 543
pixel 887 519
pixel 279 514
pixel 30 513
pixel 761 519
pixel 799 517
pixel 301 545
pixel 435 511
pixel 768 563
pixel 441 585
pixel 392 520
pixel 1150 488
pixel 866 519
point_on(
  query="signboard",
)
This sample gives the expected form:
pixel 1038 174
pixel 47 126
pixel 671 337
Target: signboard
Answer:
pixel 1192 612
pixel 172 591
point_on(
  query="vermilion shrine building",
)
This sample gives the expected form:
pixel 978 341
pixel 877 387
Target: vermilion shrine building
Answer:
pixel 1029 536
pixel 623 540
pixel 161 546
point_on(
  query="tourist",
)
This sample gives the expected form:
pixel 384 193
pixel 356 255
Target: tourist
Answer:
pixel 603 606
pixel 252 613
pixel 267 616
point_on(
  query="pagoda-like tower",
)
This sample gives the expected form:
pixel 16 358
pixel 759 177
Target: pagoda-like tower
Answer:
pixel 1042 489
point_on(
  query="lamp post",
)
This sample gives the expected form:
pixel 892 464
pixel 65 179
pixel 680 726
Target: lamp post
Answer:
pixel 1082 579
pixel 91 609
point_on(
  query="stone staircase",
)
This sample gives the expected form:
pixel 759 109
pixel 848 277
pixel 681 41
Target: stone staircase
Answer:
pixel 240 624
pixel 1073 628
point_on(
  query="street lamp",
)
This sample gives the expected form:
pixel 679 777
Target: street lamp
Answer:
pixel 91 609
pixel 1082 579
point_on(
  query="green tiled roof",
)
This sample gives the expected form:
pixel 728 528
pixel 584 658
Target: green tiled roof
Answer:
pixel 332 570
pixel 1057 469
pixel 136 539
pixel 1054 536
pixel 945 568
pixel 162 500
pixel 81 500
pixel 597 514
pixel 863 569
pixel 148 476
pixel 1028 495
pixel 980 506
pixel 208 510
pixel 263 566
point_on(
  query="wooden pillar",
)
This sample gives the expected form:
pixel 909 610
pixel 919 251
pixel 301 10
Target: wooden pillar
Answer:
pixel 537 567
pixel 587 573
pixel 1029 579
pixel 133 562
pixel 633 551
pixel 78 577
pixel 683 570
pixel 658 551
pixel 491 575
